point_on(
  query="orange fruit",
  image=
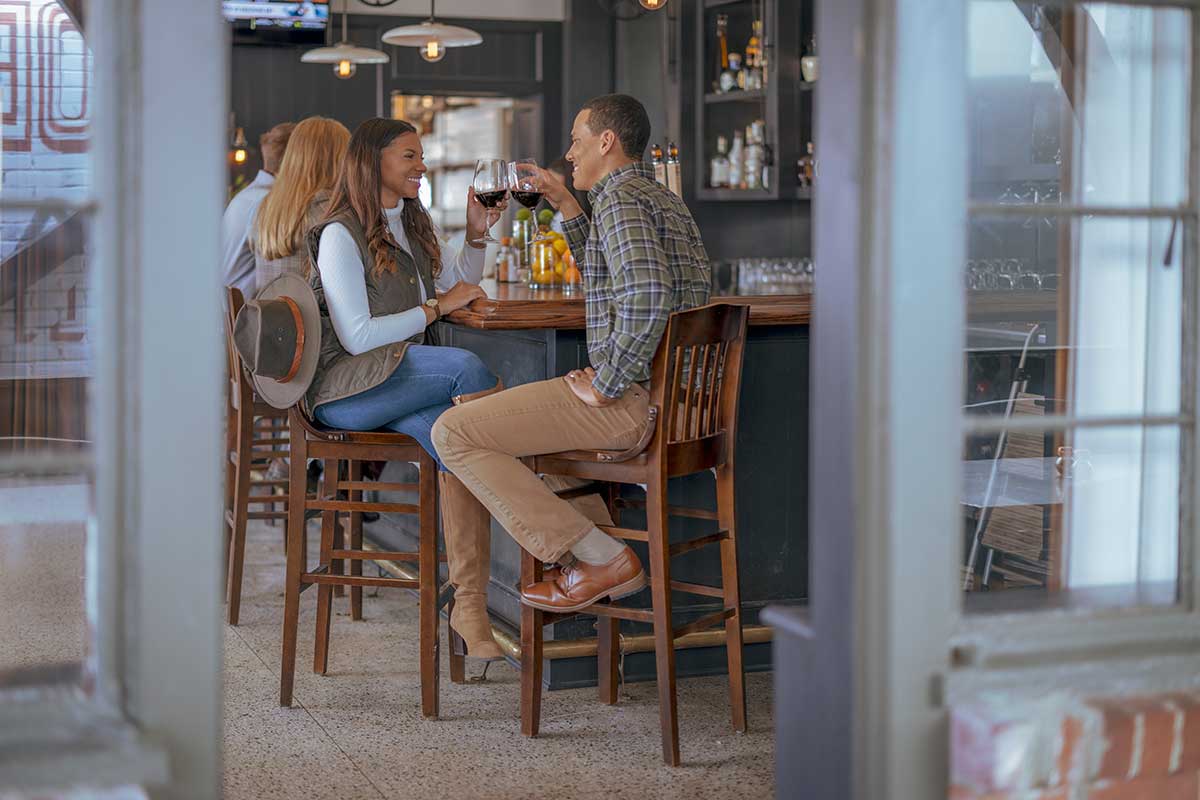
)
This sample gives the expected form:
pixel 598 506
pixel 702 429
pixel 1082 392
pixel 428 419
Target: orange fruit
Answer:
pixel 572 275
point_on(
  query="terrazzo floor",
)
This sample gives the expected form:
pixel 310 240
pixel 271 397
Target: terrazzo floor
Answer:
pixel 357 732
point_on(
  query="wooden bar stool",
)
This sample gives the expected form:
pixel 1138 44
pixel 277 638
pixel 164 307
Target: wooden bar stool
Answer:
pixel 342 492
pixel 692 428
pixel 256 433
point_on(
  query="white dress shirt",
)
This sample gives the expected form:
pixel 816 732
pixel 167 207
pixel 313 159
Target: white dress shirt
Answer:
pixel 344 280
pixel 237 259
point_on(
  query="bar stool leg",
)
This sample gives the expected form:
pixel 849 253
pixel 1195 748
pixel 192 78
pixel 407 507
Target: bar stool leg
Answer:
pixel 726 514
pixel 356 543
pixel 607 654
pixel 329 491
pixel 330 531
pixel 531 651
pixel 664 636
pixel 427 554
pixel 241 503
pixel 297 545
pixel 608 629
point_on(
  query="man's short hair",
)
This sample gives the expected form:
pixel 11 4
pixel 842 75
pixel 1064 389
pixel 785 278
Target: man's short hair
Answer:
pixel 273 144
pixel 623 115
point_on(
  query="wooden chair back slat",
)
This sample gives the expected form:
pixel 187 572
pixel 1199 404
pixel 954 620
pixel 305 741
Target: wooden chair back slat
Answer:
pixel 697 400
pixel 239 387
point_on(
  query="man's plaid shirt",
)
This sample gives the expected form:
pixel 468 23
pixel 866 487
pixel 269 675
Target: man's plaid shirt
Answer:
pixel 642 260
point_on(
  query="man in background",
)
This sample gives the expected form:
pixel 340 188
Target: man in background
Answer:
pixel 237 262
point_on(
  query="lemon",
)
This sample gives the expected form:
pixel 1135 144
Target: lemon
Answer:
pixel 560 246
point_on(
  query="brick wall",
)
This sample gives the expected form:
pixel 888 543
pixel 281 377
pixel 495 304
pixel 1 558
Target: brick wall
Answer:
pixel 44 95
pixel 1067 747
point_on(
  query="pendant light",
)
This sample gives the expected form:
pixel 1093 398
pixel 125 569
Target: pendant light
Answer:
pixel 344 56
pixel 432 38
pixel 652 5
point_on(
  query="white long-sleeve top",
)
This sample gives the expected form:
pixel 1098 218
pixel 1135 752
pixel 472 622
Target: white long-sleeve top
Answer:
pixel 345 284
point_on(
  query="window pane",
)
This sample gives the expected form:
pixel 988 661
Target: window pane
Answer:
pixel 1083 104
pixel 1101 310
pixel 46 325
pixel 1078 315
pixel 42 538
pixel 1094 525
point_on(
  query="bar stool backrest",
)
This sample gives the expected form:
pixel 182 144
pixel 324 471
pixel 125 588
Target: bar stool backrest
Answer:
pixel 239 386
pixel 697 374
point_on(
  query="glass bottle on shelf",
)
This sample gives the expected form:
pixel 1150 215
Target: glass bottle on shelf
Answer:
pixel 660 167
pixel 732 78
pixel 736 163
pixel 810 167
pixel 674 170
pixel 718 167
pixel 722 50
pixel 809 66
pixel 753 69
pixel 752 169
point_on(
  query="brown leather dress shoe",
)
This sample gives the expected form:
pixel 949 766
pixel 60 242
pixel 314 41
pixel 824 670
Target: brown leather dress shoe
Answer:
pixel 580 585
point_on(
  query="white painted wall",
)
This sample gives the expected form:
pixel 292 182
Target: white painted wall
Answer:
pixel 552 10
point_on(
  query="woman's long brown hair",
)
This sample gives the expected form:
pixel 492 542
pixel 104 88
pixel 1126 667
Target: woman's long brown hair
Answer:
pixel 357 192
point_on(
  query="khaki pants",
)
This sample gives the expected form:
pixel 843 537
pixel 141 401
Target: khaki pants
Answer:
pixel 481 443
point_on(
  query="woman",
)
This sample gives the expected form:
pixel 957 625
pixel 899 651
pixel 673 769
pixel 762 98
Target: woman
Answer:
pixel 383 276
pixel 297 199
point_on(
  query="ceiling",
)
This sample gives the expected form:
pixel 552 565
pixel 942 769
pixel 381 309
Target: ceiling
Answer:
pixel 552 10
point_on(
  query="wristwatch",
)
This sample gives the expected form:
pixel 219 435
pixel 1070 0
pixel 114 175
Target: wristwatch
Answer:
pixel 437 309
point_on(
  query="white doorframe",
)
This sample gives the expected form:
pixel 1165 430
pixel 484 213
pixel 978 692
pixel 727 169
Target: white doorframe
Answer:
pixel 149 713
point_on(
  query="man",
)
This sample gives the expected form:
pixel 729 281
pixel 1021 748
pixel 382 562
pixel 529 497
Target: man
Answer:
pixel 237 262
pixel 642 260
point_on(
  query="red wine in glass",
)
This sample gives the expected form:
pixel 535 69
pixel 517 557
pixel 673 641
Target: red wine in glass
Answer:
pixel 491 199
pixel 491 186
pixel 527 199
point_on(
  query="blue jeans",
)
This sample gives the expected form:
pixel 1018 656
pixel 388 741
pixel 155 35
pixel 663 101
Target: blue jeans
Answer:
pixel 414 396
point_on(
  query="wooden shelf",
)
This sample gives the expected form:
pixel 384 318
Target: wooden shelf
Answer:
pixel 719 3
pixel 755 96
pixel 741 195
pixel 806 86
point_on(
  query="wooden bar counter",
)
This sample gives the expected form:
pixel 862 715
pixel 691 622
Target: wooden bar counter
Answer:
pixel 525 335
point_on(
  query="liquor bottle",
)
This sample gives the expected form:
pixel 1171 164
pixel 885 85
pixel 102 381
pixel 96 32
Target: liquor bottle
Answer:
pixel 754 78
pixel 736 155
pixel 752 170
pixel 732 78
pixel 810 167
pixel 508 262
pixel 660 168
pixel 718 167
pixel 809 64
pixel 722 49
pixel 674 173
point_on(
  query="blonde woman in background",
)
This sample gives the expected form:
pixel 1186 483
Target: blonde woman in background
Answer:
pixel 298 198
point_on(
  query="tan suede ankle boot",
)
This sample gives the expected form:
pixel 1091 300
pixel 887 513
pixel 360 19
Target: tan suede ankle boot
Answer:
pixel 466 525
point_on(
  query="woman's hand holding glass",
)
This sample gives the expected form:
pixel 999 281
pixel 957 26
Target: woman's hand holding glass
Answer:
pixel 480 218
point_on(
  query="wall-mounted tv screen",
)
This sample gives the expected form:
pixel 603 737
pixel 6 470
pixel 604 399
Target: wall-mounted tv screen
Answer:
pixel 272 14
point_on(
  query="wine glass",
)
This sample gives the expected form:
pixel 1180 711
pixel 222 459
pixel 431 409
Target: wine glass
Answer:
pixel 491 187
pixel 525 184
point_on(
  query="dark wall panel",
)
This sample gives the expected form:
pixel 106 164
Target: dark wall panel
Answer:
pixel 269 84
